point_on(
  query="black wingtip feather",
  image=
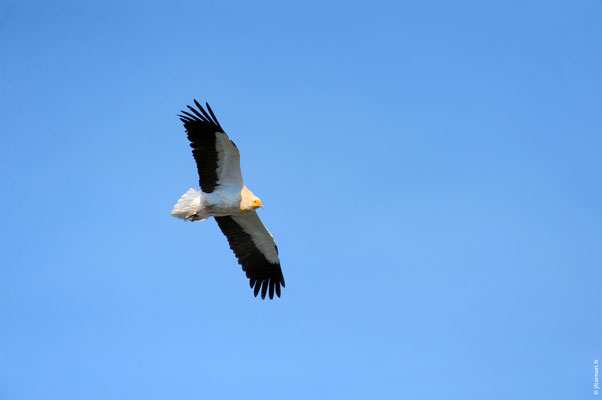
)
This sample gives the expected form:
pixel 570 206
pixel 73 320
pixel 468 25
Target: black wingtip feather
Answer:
pixel 203 111
pixel 201 117
pixel 189 115
pixel 271 288
pixel 212 114
pixel 278 289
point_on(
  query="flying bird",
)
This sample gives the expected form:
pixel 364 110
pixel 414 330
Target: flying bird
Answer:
pixel 225 197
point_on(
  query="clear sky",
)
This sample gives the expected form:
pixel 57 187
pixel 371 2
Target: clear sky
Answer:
pixel 431 172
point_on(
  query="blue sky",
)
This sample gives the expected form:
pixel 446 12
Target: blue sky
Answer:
pixel 430 170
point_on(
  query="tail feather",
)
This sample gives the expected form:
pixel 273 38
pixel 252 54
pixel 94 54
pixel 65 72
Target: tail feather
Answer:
pixel 188 206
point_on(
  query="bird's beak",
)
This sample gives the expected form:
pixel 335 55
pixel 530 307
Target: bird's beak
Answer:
pixel 257 204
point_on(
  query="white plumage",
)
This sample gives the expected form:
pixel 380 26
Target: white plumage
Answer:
pixel 188 205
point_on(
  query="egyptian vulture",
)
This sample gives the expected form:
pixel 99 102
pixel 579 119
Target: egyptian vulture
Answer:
pixel 225 197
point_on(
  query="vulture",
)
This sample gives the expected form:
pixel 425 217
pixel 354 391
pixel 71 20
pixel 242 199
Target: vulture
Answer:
pixel 225 197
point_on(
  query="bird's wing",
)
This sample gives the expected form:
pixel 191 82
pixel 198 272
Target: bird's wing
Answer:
pixel 256 251
pixel 217 157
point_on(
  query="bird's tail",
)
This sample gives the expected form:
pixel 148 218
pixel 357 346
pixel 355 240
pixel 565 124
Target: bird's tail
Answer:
pixel 189 207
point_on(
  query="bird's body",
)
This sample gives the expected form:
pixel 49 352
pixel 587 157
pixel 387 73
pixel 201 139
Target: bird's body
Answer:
pixel 225 197
pixel 195 205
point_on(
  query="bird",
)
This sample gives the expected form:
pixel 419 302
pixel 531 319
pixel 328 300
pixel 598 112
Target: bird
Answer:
pixel 225 197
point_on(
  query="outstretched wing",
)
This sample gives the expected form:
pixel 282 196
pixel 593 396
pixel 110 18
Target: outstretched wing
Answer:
pixel 217 157
pixel 256 251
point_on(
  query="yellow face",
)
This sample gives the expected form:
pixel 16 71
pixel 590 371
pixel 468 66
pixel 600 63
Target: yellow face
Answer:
pixel 255 204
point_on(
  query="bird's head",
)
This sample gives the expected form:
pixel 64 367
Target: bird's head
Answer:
pixel 256 203
pixel 248 201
